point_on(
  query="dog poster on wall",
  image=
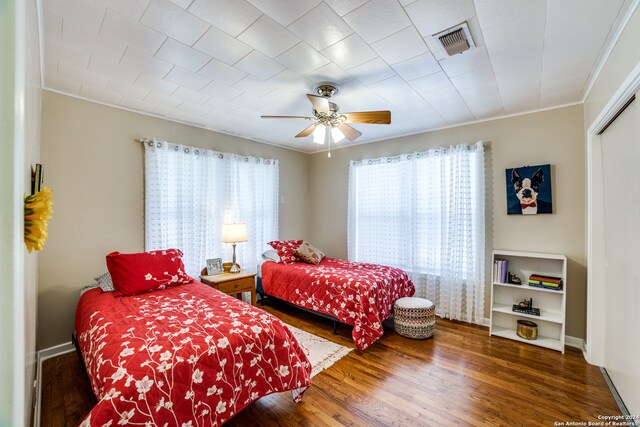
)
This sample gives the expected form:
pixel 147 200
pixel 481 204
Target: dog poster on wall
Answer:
pixel 529 190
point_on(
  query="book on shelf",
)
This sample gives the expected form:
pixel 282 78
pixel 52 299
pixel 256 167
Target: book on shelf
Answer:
pixel 500 271
pixel 533 311
pixel 549 279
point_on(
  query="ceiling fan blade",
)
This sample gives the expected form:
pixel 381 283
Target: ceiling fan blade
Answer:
pixel 288 117
pixel 307 131
pixel 369 117
pixel 350 132
pixel 320 104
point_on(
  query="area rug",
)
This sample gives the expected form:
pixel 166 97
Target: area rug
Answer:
pixel 321 353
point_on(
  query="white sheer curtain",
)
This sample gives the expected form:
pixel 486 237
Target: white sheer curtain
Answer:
pixel 190 192
pixel 424 212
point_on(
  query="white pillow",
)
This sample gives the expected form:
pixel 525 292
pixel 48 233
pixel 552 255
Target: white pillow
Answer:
pixel 271 255
pixel 104 280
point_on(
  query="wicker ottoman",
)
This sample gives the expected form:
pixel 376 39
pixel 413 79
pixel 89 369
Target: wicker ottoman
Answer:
pixel 414 317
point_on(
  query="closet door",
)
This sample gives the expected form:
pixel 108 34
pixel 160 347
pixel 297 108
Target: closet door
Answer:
pixel 621 182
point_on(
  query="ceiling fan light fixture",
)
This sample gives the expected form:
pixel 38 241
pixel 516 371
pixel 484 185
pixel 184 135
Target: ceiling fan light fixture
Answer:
pixel 337 134
pixel 319 134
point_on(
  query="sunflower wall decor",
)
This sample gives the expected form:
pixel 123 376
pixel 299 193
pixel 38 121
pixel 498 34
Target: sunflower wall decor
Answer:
pixel 37 213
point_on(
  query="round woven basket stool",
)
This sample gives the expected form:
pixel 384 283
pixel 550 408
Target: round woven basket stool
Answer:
pixel 414 317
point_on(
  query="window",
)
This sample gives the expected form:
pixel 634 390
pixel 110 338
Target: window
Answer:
pixel 424 213
pixel 190 192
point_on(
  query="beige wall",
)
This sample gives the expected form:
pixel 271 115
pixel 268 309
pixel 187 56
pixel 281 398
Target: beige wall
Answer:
pixel 623 58
pixel 96 172
pixel 554 136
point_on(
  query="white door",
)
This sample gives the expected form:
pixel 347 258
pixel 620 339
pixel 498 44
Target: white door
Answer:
pixel 621 183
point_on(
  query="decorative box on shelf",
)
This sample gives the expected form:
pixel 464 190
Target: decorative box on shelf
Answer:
pixel 548 299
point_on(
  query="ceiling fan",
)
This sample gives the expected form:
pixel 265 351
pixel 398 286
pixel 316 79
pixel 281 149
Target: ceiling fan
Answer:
pixel 331 125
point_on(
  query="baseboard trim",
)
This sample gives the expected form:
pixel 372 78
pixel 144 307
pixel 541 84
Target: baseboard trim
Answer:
pixel 629 418
pixel 44 354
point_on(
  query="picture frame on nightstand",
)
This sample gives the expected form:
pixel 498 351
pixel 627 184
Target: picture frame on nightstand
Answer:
pixel 214 266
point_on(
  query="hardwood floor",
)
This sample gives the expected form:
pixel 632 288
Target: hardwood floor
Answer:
pixel 460 377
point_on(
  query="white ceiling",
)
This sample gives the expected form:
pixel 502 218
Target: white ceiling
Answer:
pixel 220 64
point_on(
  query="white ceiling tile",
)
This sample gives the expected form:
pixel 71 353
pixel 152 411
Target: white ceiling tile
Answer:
pixel 86 13
pixel 182 3
pixel 56 51
pixel 349 52
pixel 78 36
pixel 290 81
pixel 64 85
pixel 193 109
pixel 377 19
pixel 399 93
pixel 285 12
pixel 417 67
pixel 303 59
pixel 155 85
pixel 255 86
pixel 222 91
pixel 492 13
pixel 182 55
pixel 112 70
pixel 191 96
pixel 259 65
pixel 320 35
pixel 372 71
pixel 52 23
pixel 330 72
pixel 279 40
pixel 139 61
pixel 169 112
pixel 435 81
pixel 247 100
pixel 403 45
pixel 186 78
pixel 131 8
pixel 454 111
pixel 479 83
pixel 99 94
pixel 406 2
pixel 342 7
pixel 160 99
pixel 465 62
pixel 526 30
pixel 219 107
pixel 232 17
pixel 131 32
pixel 126 89
pixel 222 46
pixel 221 72
pixel 433 16
pixel 72 73
pixel 354 96
pixel 174 21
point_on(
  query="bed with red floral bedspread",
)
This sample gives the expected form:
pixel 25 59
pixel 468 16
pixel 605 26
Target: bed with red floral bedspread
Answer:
pixel 186 355
pixel 358 294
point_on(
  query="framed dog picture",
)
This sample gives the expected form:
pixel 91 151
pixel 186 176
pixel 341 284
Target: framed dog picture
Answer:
pixel 214 266
pixel 529 190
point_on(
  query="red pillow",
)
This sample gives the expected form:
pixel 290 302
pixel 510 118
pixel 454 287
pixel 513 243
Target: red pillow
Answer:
pixel 286 250
pixel 134 274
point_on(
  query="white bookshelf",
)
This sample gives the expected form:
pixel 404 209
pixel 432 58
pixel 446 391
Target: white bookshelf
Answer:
pixel 551 302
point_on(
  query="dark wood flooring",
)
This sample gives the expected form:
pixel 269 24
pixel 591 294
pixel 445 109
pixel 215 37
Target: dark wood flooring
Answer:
pixel 460 377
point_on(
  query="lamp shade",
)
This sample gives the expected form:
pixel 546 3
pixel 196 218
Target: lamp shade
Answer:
pixel 234 233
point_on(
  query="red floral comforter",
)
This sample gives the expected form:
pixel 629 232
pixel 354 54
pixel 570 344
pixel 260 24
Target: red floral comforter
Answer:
pixel 183 356
pixel 360 295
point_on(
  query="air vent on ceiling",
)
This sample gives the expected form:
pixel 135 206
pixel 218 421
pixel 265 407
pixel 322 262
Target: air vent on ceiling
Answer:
pixel 456 39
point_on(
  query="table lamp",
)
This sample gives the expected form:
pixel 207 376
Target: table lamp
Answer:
pixel 234 233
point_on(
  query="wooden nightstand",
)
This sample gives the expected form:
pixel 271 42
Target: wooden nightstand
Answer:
pixel 233 283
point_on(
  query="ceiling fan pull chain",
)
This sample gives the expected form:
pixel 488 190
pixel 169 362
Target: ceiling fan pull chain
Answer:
pixel 329 154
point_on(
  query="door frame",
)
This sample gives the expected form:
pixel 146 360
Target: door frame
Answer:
pixel 596 256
